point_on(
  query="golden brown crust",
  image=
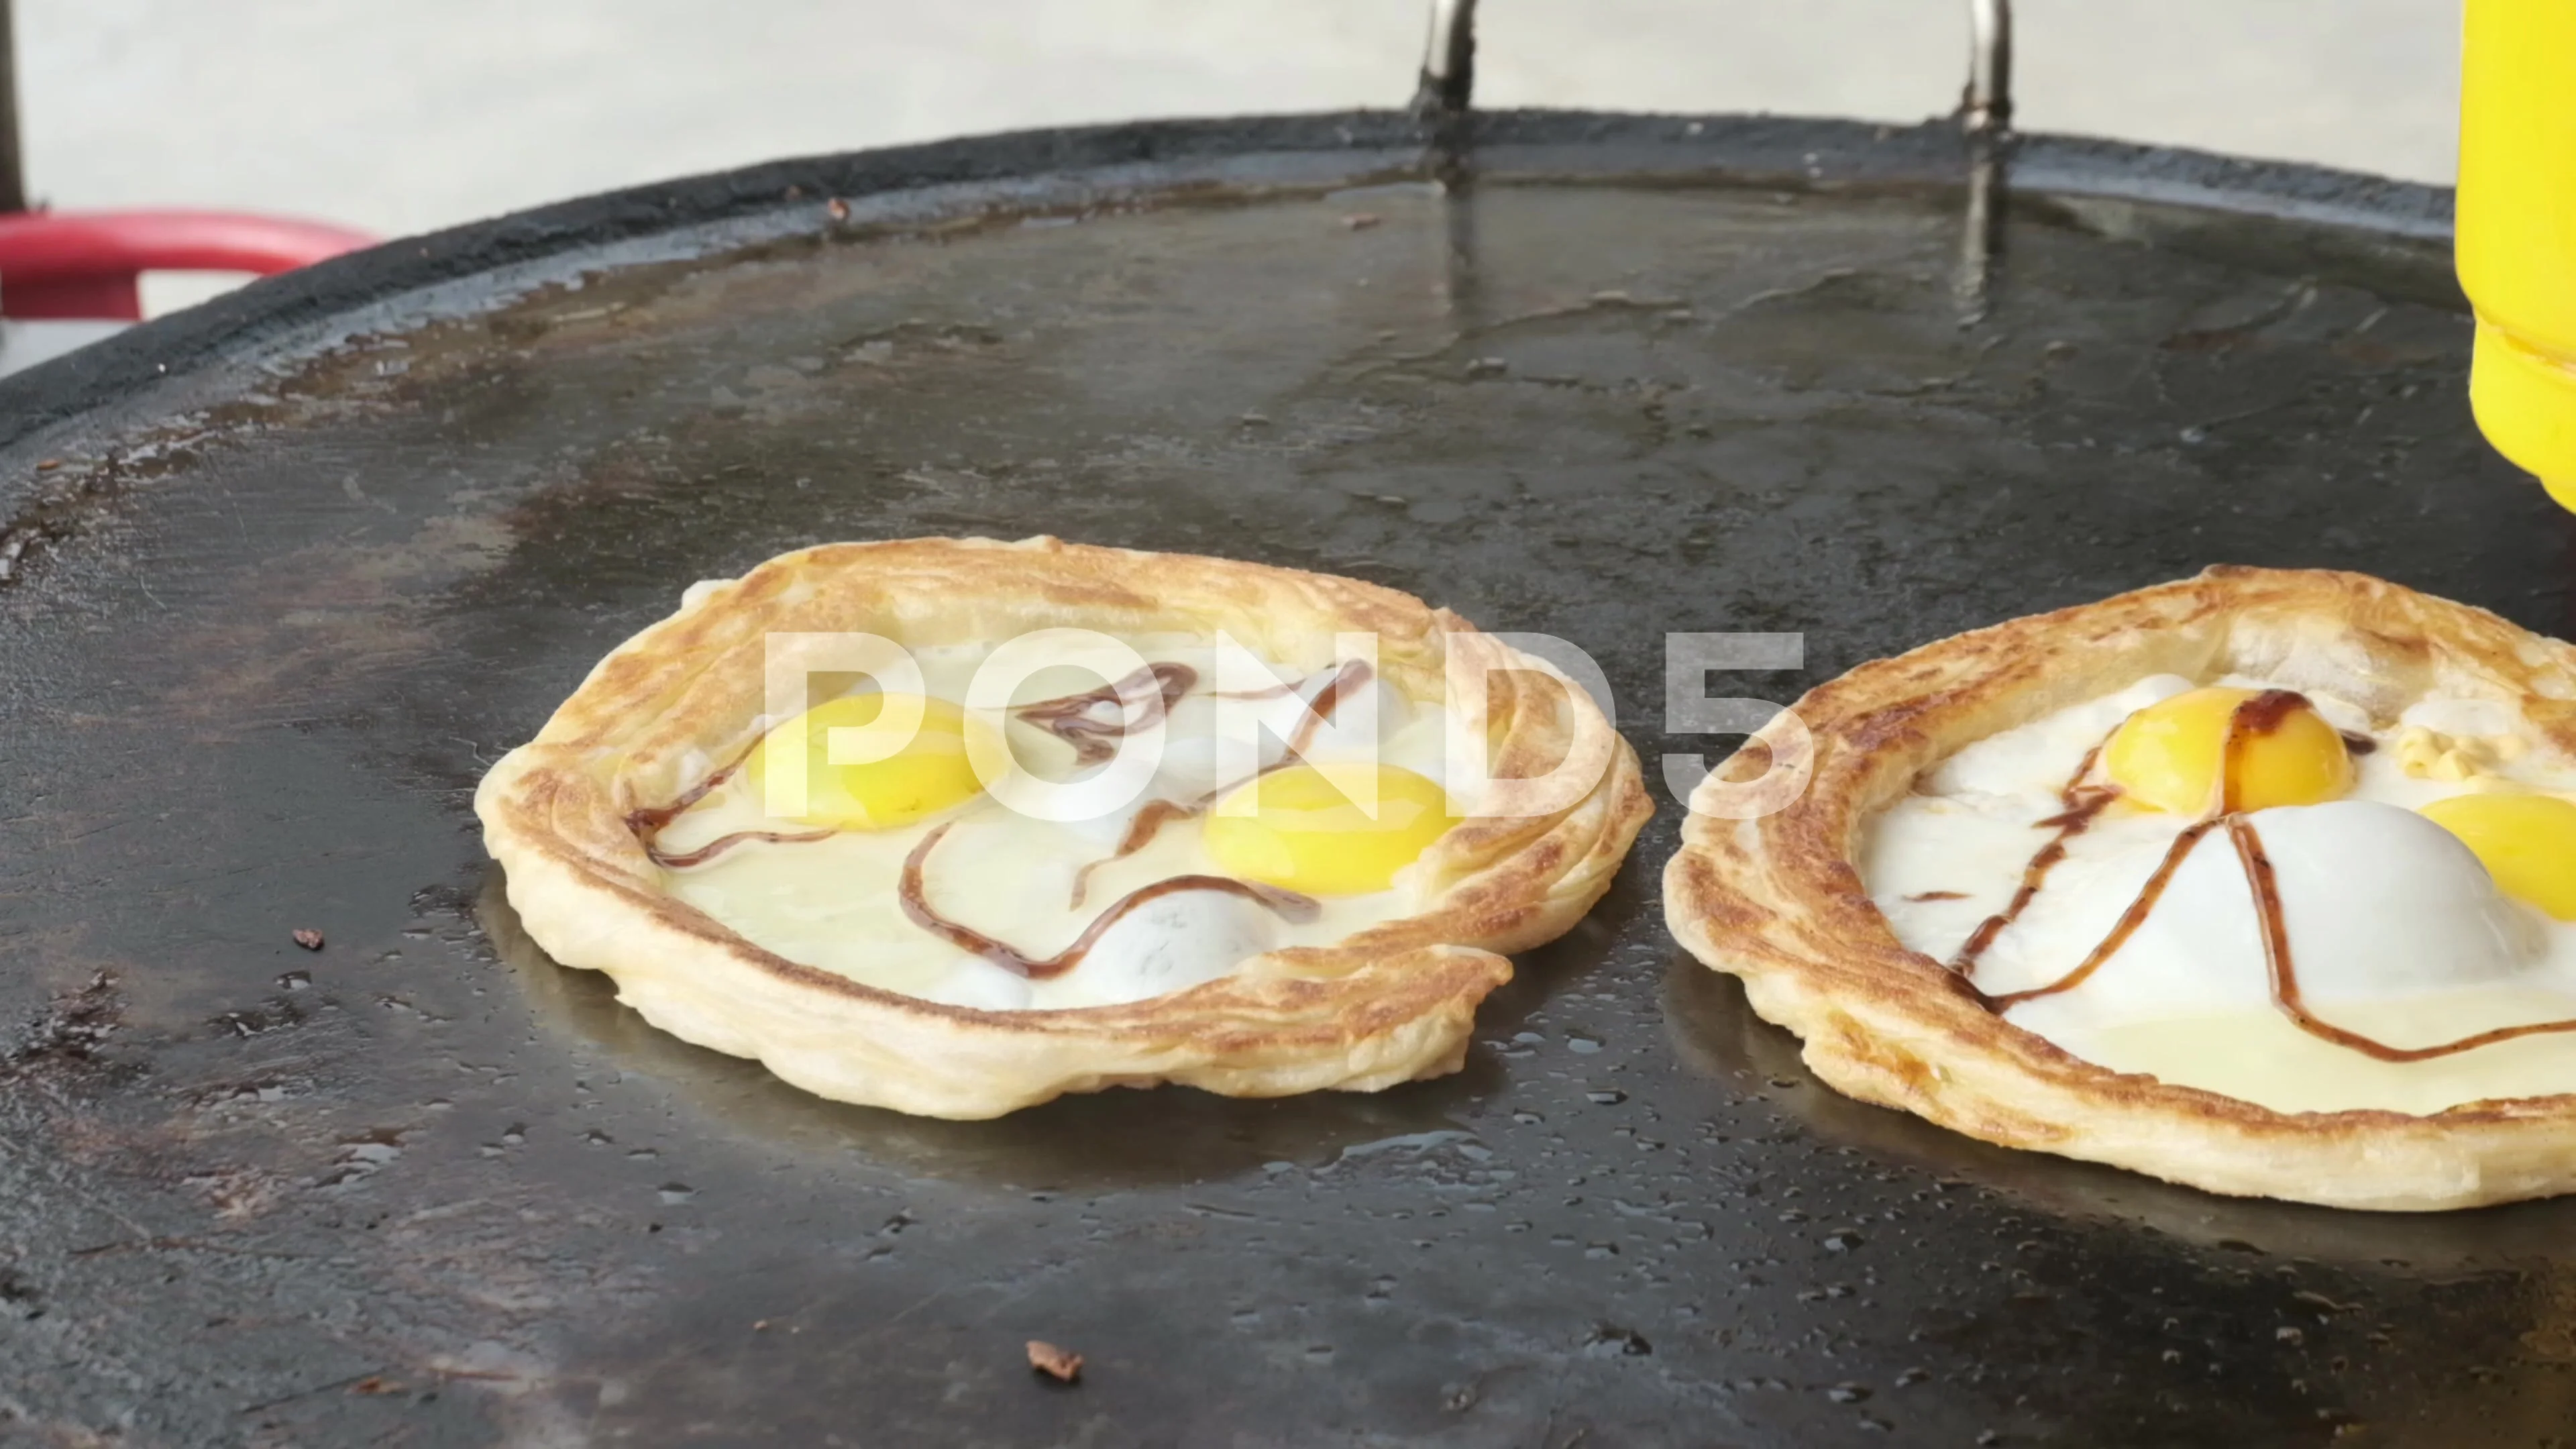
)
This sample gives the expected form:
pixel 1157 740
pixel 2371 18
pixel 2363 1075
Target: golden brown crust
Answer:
pixel 1390 1004
pixel 1778 902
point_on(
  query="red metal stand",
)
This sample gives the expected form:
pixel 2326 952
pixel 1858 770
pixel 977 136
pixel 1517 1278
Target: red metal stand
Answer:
pixel 84 264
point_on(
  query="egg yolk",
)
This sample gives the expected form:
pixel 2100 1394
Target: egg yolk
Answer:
pixel 1298 828
pixel 2169 754
pixel 2527 842
pixel 920 777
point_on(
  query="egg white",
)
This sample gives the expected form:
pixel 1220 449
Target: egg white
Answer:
pixel 832 903
pixel 2395 930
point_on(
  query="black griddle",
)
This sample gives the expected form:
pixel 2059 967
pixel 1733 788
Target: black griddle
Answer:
pixel 287 571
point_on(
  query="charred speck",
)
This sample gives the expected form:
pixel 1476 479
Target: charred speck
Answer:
pixel 19 1297
pixel 1609 1340
pixel 71 1029
pixel 265 1017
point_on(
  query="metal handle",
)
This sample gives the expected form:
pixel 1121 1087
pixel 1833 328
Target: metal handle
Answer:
pixel 13 177
pixel 1987 106
pixel 1448 81
pixel 1449 60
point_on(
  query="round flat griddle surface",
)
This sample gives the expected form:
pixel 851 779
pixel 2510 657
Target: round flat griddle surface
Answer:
pixel 272 614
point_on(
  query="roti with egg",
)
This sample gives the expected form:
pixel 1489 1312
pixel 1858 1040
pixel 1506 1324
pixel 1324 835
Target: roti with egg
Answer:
pixel 2262 881
pixel 1035 818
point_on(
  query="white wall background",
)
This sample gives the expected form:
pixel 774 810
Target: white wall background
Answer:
pixel 400 118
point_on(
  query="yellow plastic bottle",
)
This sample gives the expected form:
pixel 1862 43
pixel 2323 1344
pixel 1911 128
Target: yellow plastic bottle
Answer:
pixel 2516 229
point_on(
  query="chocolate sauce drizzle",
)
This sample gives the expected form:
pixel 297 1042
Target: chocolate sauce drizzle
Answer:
pixel 1149 820
pixel 2252 720
pixel 1140 701
pixel 1347 679
pixel 682 860
pixel 1350 678
pixel 2130 919
pixel 647 819
pixel 1288 905
pixel 648 823
pixel 2081 801
pixel 2285 977
pixel 1272 690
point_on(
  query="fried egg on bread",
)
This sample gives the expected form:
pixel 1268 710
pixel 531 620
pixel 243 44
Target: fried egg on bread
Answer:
pixel 2395 939
pixel 2253 881
pixel 902 894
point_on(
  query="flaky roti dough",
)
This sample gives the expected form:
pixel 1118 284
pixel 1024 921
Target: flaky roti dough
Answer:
pixel 1387 1005
pixel 1778 902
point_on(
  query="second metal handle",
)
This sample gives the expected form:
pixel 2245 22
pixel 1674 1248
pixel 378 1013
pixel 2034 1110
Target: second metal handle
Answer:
pixel 1448 82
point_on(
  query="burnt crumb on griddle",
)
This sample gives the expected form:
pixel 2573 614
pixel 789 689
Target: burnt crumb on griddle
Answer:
pixel 1609 1340
pixel 70 1030
pixel 20 1299
pixel 1061 1365
pixel 268 1016
pixel 308 938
